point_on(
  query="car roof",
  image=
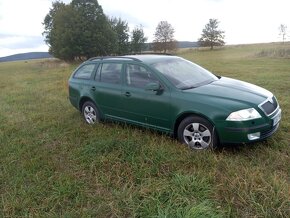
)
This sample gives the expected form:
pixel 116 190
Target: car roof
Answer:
pixel 146 58
pixel 150 59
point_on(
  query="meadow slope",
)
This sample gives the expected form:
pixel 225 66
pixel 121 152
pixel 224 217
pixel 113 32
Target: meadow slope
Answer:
pixel 54 165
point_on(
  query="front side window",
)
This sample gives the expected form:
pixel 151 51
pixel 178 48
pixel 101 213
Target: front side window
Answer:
pixel 138 76
pixel 111 73
pixel 85 71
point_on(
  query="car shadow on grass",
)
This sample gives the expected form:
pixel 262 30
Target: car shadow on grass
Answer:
pixel 239 148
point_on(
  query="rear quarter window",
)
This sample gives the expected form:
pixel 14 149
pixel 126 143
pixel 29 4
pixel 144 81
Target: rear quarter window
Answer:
pixel 85 72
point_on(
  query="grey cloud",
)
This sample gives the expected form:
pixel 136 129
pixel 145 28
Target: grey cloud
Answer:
pixel 127 17
pixel 19 42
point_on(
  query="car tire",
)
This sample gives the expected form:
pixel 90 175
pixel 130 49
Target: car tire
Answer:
pixel 90 113
pixel 197 133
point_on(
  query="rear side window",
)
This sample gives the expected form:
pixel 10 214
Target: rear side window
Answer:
pixel 85 71
pixel 111 73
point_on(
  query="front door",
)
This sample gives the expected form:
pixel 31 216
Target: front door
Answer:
pixel 144 107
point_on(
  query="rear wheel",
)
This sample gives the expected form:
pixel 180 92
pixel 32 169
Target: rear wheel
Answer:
pixel 90 113
pixel 197 133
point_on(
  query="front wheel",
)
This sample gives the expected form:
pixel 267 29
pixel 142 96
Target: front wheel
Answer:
pixel 90 113
pixel 197 133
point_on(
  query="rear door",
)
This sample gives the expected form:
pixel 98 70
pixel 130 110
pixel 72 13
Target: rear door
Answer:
pixel 107 88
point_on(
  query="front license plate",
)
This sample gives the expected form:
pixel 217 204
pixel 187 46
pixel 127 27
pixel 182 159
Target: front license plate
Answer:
pixel 277 118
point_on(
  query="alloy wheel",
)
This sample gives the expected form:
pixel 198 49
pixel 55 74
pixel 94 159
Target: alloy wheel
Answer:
pixel 197 136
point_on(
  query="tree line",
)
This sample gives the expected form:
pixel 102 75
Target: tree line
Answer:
pixel 80 30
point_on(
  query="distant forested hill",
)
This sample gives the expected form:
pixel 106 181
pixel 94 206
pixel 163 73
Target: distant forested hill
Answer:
pixel 40 55
pixel 180 44
pixel 186 44
pixel 26 56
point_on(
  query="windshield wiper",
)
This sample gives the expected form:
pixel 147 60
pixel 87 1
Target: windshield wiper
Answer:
pixel 188 87
pixel 197 85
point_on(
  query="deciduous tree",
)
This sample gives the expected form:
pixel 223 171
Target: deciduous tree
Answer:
pixel 164 37
pixel 211 36
pixel 283 32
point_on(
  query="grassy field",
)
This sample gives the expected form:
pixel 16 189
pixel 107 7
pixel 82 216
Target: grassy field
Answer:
pixel 54 165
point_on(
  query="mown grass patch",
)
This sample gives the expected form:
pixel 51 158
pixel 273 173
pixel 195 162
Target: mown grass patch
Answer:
pixel 54 165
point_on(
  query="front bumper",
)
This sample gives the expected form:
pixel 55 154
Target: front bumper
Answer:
pixel 242 132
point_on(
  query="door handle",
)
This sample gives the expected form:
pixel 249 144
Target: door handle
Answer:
pixel 93 88
pixel 127 94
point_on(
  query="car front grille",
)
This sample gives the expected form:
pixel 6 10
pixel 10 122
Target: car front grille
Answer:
pixel 270 105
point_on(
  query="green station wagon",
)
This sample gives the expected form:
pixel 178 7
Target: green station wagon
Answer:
pixel 176 96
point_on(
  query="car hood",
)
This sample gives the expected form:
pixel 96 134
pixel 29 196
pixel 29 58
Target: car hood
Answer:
pixel 233 90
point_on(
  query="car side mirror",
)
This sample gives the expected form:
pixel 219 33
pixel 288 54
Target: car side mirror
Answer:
pixel 153 87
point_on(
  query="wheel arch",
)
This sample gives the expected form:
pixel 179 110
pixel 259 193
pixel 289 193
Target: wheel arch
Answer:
pixel 188 114
pixel 85 99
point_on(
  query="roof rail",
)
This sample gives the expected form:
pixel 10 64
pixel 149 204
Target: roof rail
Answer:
pixel 95 58
pixel 153 53
pixel 157 53
pixel 107 57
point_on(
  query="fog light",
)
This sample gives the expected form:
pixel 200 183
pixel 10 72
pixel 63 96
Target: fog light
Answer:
pixel 254 136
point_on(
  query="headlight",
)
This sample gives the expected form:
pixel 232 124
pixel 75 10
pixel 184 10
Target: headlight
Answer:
pixel 243 115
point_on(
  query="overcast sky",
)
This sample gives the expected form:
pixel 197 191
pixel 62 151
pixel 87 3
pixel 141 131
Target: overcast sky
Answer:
pixel 244 21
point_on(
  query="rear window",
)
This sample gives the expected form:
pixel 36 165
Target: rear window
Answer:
pixel 111 73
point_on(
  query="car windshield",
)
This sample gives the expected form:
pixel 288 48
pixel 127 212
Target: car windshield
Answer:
pixel 184 74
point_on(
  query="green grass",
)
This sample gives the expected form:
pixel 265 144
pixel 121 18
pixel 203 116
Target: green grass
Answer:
pixel 54 165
